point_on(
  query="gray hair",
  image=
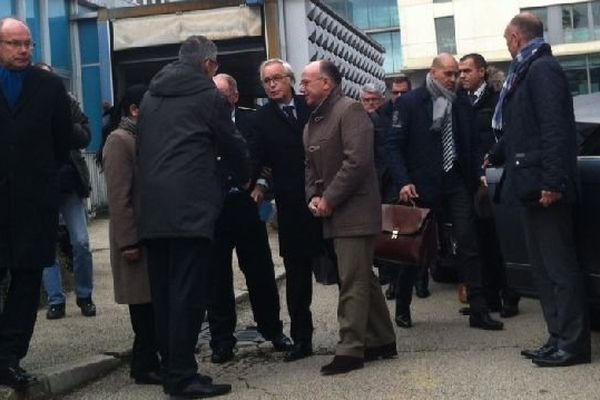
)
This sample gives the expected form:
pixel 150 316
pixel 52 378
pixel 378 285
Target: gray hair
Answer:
pixel 286 66
pixel 233 87
pixel 371 88
pixel 195 49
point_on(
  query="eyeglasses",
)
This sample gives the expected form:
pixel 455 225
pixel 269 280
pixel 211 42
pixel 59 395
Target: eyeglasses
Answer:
pixel 399 92
pixel 17 44
pixel 274 79
pixel 306 82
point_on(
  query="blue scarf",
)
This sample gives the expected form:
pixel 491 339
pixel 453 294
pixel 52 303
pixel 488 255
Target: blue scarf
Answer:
pixel 532 50
pixel 11 83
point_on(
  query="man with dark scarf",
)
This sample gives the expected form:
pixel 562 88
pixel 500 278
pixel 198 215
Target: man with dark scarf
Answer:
pixel 539 153
pixel 434 155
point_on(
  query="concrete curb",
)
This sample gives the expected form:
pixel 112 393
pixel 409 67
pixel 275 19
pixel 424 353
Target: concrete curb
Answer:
pixel 63 378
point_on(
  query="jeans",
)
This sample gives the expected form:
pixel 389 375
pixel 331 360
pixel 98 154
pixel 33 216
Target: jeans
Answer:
pixel 72 209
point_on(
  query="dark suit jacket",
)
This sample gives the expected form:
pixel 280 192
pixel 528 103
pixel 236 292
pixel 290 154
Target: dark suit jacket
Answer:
pixel 279 146
pixel 34 143
pixel 538 121
pixel 484 111
pixel 415 151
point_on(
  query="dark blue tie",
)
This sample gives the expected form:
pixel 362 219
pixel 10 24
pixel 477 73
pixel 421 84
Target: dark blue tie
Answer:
pixel 289 113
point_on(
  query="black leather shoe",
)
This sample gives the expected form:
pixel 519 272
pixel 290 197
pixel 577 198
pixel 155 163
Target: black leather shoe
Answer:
pixel 483 320
pixel 147 378
pixel 196 389
pixel 561 358
pixel 282 343
pixel 56 311
pixel 403 320
pixel 221 355
pixel 300 350
pixel 540 352
pixel 342 364
pixel 16 378
pixel 87 306
pixel 385 351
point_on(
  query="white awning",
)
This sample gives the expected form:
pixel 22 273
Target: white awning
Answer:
pixel 216 24
pixel 587 108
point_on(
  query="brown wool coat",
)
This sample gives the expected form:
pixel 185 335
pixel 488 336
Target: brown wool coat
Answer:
pixel 338 140
pixel 131 283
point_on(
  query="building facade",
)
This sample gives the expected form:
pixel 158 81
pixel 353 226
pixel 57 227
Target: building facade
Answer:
pixel 572 27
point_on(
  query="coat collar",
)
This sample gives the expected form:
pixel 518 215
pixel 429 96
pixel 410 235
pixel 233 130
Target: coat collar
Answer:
pixel 427 102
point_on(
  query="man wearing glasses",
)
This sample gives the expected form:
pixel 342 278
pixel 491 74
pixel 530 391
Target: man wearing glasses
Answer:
pixel 278 131
pixel 435 158
pixel 36 129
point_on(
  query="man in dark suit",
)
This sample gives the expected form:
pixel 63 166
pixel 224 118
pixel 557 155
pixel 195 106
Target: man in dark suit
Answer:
pixel 239 226
pixel 435 159
pixel 36 129
pixel 278 129
pixel 539 151
pixel 483 97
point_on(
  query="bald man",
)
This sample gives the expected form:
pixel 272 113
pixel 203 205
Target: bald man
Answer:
pixel 35 121
pixel 435 159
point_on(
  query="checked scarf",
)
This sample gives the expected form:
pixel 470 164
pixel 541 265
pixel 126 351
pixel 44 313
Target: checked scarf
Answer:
pixel 532 50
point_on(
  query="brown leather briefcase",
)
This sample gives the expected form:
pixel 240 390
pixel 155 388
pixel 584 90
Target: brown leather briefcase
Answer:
pixel 408 236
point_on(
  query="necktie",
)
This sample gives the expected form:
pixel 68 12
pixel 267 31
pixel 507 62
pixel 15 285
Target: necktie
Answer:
pixel 447 145
pixel 472 98
pixel 289 113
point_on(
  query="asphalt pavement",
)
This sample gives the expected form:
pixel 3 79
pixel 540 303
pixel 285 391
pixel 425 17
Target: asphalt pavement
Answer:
pixel 440 357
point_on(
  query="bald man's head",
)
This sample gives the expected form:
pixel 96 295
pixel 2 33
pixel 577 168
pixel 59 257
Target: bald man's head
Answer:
pixel 444 69
pixel 523 28
pixel 16 45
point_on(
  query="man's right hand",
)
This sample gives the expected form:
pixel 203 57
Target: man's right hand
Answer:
pixel 408 192
pixel 258 193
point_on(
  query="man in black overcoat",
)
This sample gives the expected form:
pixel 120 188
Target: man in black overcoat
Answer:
pixel 35 134
pixel 239 226
pixel 539 153
pixel 278 130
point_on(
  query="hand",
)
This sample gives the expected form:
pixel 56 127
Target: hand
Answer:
pixel 323 208
pixel 132 254
pixel 548 198
pixel 483 181
pixel 258 193
pixel 486 162
pixel 408 192
pixel 312 205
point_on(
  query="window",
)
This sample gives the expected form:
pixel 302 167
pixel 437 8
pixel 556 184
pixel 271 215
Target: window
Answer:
pixel 594 67
pixel 575 23
pixel 60 38
pixel 367 14
pixel 7 8
pixel 596 19
pixel 583 73
pixel 32 8
pixel 442 1
pixel 444 33
pixel 393 50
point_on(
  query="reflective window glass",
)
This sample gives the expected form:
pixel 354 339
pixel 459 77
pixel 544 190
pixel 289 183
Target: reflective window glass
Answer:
pixel 60 38
pixel 594 62
pixel 445 36
pixel 7 8
pixel 393 50
pixel 596 19
pixel 576 72
pixel 33 22
pixel 575 22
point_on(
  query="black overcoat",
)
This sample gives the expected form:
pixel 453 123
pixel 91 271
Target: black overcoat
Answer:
pixel 279 146
pixel 34 144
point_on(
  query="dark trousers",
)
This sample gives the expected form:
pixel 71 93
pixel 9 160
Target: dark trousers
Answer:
pixel 240 227
pixel 144 355
pixel 549 234
pixel 298 285
pixel 406 277
pixel 493 274
pixel 177 269
pixel 457 204
pixel 20 312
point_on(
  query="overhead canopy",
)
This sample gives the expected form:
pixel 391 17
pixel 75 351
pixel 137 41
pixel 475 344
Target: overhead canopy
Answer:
pixel 587 108
pixel 216 24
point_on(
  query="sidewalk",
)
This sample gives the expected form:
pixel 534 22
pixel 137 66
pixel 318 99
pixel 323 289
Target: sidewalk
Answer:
pixel 68 352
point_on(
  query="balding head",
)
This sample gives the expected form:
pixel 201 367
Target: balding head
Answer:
pixel 444 69
pixel 523 28
pixel 16 44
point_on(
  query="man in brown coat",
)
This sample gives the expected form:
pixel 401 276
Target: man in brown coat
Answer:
pixel 341 187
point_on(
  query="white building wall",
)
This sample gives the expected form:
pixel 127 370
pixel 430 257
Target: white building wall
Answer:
pixel 479 27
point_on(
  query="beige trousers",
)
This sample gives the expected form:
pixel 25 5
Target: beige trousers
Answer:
pixel 363 316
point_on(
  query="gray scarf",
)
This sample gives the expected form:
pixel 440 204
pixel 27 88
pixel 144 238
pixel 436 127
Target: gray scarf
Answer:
pixel 128 124
pixel 442 102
